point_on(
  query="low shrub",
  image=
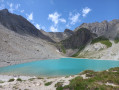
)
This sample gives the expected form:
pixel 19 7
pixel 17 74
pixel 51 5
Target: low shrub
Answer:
pixel 116 40
pixel 11 80
pixel 19 79
pixel 97 82
pixel 102 40
pixel 48 83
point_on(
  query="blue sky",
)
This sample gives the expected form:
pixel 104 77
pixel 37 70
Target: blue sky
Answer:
pixel 57 15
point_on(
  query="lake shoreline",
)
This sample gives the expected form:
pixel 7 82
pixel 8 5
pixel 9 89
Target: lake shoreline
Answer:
pixel 15 62
pixel 32 83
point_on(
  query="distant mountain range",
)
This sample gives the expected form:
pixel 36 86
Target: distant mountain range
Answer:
pixel 21 41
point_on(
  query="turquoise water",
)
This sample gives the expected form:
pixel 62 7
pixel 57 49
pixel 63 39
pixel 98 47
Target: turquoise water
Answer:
pixel 58 67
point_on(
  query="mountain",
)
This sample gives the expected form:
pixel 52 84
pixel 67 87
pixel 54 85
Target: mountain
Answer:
pixel 20 25
pixel 21 42
pixel 103 46
pixel 58 36
pixel 76 41
pixel 105 28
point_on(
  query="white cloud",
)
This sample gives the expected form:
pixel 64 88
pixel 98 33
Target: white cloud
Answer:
pixel 53 29
pixel 13 7
pixel 55 18
pixel 74 18
pixel 85 11
pixel 68 26
pixel 62 20
pixel 29 16
pixel 17 6
pixel 22 11
pixel 37 26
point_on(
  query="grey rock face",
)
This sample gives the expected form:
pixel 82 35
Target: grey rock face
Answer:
pixel 105 28
pixel 79 39
pixel 20 25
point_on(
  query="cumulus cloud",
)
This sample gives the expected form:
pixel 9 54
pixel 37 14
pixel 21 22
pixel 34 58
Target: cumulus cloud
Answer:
pixel 62 20
pixel 74 18
pixel 29 16
pixel 55 17
pixel 53 29
pixel 37 26
pixel 13 7
pixel 85 11
pixel 17 6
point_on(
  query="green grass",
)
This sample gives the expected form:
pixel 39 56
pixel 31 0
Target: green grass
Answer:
pixel 96 81
pixel 77 53
pixel 31 79
pixel 11 80
pixel 19 79
pixel 40 78
pixel 48 83
pixel 102 40
pixel 116 40
pixel 63 49
pixel 1 81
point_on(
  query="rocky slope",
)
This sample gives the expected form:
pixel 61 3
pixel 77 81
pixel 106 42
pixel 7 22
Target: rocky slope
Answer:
pixel 16 48
pixel 21 42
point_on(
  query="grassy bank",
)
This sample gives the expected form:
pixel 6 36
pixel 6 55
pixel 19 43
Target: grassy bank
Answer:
pixel 95 81
pixel 102 40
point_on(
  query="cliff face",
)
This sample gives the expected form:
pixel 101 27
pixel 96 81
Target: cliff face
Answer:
pixel 21 42
pixel 105 28
pixel 80 38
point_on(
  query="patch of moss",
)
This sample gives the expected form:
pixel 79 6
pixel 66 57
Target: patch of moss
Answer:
pixel 1 81
pixel 11 80
pixel 39 78
pixel 77 53
pixel 48 83
pixel 31 79
pixel 102 40
pixel 19 79
pixel 116 40
pixel 59 84
pixel 63 49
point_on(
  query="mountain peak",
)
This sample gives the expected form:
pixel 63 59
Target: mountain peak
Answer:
pixel 4 11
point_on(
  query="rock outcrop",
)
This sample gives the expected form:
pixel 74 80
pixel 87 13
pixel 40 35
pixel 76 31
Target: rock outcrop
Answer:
pixel 105 28
pixel 80 38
